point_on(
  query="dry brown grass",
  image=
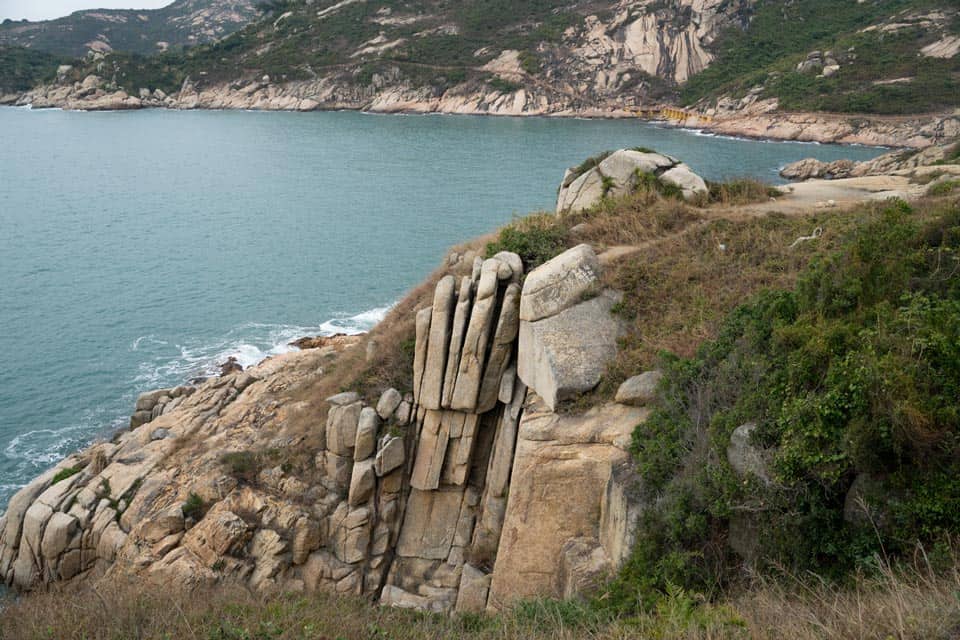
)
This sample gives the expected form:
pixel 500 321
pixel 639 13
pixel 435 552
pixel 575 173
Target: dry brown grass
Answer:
pixel 679 289
pixel 634 220
pixel 910 602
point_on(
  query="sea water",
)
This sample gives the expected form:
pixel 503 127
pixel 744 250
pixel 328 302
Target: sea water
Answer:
pixel 138 250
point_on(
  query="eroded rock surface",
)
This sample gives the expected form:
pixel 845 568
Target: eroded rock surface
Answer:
pixel 404 498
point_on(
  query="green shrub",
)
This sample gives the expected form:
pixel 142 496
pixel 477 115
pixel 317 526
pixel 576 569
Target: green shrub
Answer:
pixel 66 472
pixel 590 163
pixel 194 507
pixel 243 465
pixel 943 188
pixel 535 240
pixel 503 86
pixel 854 373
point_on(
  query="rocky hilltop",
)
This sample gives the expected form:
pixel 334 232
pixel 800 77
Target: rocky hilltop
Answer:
pixel 182 23
pixel 465 492
pixel 847 74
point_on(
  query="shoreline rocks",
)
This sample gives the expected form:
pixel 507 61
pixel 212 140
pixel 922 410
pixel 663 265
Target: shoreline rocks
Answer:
pixel 403 499
pixel 756 119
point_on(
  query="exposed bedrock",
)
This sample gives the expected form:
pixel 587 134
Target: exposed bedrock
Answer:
pixel 463 493
pixel 620 174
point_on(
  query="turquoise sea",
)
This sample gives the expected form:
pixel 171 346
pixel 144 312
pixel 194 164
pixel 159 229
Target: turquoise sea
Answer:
pixel 138 250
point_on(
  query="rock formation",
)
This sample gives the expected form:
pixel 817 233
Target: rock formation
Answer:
pixel 889 163
pixel 621 173
pixel 465 493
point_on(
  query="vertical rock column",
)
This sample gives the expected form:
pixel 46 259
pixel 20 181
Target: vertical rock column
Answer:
pixel 465 346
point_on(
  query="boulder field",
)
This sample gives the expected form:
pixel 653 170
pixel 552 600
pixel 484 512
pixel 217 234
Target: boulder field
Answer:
pixel 466 492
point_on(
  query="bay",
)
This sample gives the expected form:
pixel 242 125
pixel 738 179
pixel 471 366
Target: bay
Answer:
pixel 138 250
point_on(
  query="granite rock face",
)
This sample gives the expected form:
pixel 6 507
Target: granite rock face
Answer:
pixel 410 493
pixel 620 174
pixel 566 336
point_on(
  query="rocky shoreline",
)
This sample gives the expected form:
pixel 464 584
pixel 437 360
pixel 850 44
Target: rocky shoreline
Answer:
pixel 760 120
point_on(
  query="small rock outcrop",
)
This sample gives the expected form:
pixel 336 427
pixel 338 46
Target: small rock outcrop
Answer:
pixel 640 390
pixel 621 173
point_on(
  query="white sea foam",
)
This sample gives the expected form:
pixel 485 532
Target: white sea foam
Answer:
pixel 249 344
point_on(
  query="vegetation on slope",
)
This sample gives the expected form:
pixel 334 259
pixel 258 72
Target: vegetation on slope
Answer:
pixel 179 24
pixel 21 69
pixel 845 355
pixel 874 42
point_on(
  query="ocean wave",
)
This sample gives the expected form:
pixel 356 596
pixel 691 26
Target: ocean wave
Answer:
pixel 249 344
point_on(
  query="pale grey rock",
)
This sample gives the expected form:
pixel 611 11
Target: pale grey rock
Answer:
pixel 390 456
pixel 402 414
pixel 684 178
pixel 338 470
pixel 473 354
pixel 431 450
pixel 461 318
pixel 560 283
pixel 59 530
pixel 620 514
pixel 367 426
pixel 565 355
pixel 486 537
pixel 388 403
pixel 583 567
pixel 474 587
pixel 393 596
pixel 746 459
pixel 514 262
pixel 344 399
pixel 430 523
pixel 583 193
pixel 306 539
pixel 501 349
pixel 342 421
pixel 438 345
pixel 621 168
pixel 362 483
pixel 505 395
pixel 640 390
pixel 477 268
pixel 420 350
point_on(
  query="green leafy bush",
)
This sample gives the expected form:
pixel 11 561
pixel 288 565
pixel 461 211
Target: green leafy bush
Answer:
pixel 535 239
pixel 65 473
pixel 194 507
pixel 853 374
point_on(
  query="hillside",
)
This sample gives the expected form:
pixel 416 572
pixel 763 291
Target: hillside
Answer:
pixel 675 410
pixel 720 59
pixel 183 23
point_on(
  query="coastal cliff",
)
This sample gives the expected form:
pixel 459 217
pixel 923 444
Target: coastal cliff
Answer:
pixel 597 402
pixel 246 477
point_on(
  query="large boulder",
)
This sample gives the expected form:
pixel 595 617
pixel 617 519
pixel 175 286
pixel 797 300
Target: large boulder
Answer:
pixel 618 175
pixel 745 458
pixel 558 493
pixel 683 177
pixel 566 336
pixel 640 390
pixel 812 168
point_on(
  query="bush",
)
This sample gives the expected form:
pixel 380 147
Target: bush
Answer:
pixel 854 373
pixel 535 239
pixel 194 507
pixel 242 465
pixel 943 188
pixel 65 473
